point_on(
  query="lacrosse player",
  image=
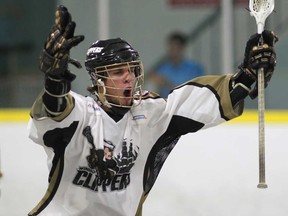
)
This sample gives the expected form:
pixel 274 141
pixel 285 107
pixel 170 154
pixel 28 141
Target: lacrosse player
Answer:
pixel 106 150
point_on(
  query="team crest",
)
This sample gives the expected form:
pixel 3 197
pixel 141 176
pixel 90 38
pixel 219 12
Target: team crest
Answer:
pixel 106 170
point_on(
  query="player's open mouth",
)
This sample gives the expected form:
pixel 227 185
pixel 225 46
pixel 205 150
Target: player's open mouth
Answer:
pixel 127 93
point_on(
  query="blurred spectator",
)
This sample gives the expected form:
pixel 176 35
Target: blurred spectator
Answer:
pixel 175 68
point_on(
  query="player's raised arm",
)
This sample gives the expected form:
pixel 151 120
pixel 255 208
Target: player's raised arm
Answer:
pixel 54 61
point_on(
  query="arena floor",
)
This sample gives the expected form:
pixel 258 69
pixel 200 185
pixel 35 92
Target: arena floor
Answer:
pixel 211 173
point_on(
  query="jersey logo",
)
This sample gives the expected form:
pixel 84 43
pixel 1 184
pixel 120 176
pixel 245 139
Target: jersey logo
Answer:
pixel 106 171
pixel 91 107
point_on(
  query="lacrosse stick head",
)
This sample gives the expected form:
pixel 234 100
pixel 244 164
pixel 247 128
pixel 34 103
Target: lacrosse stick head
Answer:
pixel 261 9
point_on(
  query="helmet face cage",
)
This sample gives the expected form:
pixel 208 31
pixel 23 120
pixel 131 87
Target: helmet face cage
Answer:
pixel 102 74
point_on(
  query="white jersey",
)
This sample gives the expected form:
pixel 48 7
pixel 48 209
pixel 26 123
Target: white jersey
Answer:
pixel 102 167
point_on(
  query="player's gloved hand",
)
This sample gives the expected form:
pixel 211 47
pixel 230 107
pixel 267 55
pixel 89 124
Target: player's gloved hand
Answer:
pixel 55 57
pixel 259 53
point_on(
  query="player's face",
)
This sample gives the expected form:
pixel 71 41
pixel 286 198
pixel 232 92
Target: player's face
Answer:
pixel 120 85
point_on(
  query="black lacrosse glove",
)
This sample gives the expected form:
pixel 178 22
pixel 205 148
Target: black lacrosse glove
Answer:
pixel 259 53
pixel 55 57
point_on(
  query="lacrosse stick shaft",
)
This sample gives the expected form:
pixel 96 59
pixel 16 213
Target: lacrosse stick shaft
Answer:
pixel 261 129
pixel 261 9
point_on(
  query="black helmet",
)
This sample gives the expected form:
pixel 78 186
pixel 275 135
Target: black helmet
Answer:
pixel 107 52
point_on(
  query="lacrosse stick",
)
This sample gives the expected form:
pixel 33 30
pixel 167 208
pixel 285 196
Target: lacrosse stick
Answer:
pixel 261 9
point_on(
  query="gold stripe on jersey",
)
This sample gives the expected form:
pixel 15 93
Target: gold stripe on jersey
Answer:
pixel 149 94
pixel 38 110
pixel 219 85
pixel 52 188
pixel 140 205
pixel 143 196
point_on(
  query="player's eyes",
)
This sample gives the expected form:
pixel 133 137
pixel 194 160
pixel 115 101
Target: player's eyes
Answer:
pixel 117 72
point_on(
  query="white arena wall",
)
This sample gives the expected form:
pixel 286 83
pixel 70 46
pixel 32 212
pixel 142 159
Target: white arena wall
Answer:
pixel 212 172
